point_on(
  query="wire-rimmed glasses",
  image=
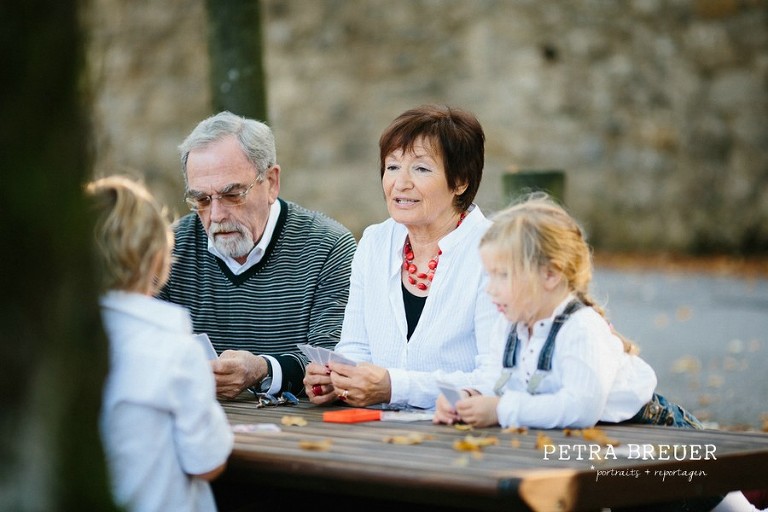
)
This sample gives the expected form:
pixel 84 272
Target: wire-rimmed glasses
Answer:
pixel 203 202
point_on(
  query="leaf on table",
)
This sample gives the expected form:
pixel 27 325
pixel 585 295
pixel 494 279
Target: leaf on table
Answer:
pixel 462 426
pixel 472 443
pixel 599 436
pixel 516 430
pixel 410 438
pixel 293 421
pixel 591 434
pixel 322 445
pixel 543 440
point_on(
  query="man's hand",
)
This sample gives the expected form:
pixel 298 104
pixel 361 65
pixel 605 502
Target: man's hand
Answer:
pixel 236 370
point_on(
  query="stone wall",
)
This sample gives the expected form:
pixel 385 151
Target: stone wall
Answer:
pixel 655 109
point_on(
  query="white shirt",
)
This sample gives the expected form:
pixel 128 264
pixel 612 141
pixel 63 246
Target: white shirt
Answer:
pixel 455 325
pixel 160 421
pixel 592 378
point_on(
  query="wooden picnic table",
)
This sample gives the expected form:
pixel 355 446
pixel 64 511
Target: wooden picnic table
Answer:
pixel 514 469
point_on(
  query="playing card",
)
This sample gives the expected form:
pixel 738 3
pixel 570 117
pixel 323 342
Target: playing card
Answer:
pixel 451 393
pixel 310 352
pixel 205 342
pixel 407 416
pixel 338 358
pixel 321 355
pixel 255 427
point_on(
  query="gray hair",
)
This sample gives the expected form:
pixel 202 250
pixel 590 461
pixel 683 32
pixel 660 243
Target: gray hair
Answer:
pixel 256 140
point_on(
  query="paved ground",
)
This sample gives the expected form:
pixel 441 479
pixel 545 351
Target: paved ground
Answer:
pixel 705 335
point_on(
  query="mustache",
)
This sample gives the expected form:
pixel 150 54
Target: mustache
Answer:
pixel 225 227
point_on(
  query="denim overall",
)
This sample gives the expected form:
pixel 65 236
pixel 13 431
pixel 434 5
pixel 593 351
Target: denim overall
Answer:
pixel 658 411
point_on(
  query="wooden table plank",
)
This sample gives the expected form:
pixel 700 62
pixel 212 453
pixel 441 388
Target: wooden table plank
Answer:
pixel 513 474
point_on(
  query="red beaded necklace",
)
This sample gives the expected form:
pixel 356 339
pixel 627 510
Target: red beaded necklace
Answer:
pixel 422 280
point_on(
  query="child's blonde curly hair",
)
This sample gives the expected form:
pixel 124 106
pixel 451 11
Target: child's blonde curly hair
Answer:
pixel 132 235
pixel 537 232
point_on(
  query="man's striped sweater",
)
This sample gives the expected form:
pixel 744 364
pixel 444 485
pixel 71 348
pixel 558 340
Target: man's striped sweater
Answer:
pixel 296 293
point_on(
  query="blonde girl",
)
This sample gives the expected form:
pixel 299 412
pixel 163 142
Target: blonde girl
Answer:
pixel 164 433
pixel 555 360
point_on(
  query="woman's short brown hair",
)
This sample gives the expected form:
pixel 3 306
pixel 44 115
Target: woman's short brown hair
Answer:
pixel 456 134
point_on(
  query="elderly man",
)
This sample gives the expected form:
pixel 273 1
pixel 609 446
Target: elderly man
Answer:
pixel 258 274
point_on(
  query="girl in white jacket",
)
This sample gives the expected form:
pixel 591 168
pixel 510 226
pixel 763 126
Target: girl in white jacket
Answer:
pixel 555 361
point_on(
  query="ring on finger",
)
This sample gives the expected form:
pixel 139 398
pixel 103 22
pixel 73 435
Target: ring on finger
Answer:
pixel 317 390
pixel 344 395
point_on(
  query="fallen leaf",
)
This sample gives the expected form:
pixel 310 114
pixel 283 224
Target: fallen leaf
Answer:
pixel 462 426
pixel 686 364
pixel 516 430
pixel 683 314
pixel 599 436
pixel 543 440
pixel 730 364
pixel 322 445
pixel 293 421
pixel 473 444
pixel 410 438
pixel 715 381
pixel 735 346
pixel 661 320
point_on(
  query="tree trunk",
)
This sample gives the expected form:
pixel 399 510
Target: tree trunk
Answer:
pixel 235 49
pixel 53 350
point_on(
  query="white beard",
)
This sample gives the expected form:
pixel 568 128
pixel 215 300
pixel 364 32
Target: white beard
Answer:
pixel 233 247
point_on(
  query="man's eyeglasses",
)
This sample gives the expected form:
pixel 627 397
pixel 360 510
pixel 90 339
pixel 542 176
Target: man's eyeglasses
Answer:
pixel 200 203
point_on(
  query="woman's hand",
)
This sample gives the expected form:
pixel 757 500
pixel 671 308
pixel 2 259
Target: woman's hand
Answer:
pixel 361 385
pixel 317 384
pixel 478 410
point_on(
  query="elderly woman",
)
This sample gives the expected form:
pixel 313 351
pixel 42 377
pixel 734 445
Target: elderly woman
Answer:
pixel 417 312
